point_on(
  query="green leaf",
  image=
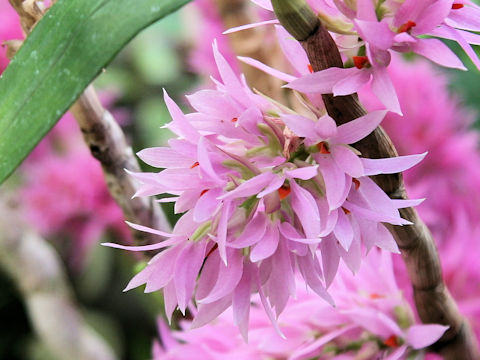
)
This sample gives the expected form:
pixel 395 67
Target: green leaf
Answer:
pixel 66 50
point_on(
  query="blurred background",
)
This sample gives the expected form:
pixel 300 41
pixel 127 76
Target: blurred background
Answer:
pixel 60 192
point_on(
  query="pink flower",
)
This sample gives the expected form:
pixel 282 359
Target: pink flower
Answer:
pixel 264 191
pixel 366 34
pixel 370 318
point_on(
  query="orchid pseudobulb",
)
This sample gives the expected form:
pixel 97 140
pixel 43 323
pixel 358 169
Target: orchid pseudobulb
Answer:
pixel 264 192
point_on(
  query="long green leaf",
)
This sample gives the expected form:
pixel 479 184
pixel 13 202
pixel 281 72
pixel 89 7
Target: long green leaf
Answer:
pixel 67 49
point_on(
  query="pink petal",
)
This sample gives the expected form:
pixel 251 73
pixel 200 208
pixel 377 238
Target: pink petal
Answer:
pixel 209 312
pixel 347 161
pixel 311 272
pixel 228 278
pixel 330 258
pixel 164 271
pixel 438 52
pixel 164 157
pixel 267 245
pixel 375 33
pixel 305 208
pixel 186 271
pixel 241 301
pixel 222 230
pixel 276 183
pixel 289 232
pixel 149 230
pixel 170 300
pixel 253 233
pixel 292 50
pixel 303 173
pixel 432 16
pixel 300 125
pixel 325 127
pixel 383 88
pixel 352 84
pixel 334 179
pixel 343 230
pixel 267 69
pixel 206 205
pixel 321 82
pixel 391 165
pixel 250 26
pixel 180 124
pixel 421 336
pixel 366 10
pixel 250 187
pixel 359 128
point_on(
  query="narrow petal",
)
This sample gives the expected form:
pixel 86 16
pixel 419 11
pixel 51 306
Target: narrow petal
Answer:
pixel 421 336
pixel 267 69
pixel 352 84
pixel 267 245
pixel 391 165
pixel 347 160
pixel 321 82
pixel 241 301
pixel 209 312
pixel 305 209
pixel 334 179
pixel 186 271
pixel 383 88
pixel 253 233
pixel 438 52
pixel 250 187
pixel 228 278
pixel 300 125
pixel 357 129
pixel 206 205
pixel 250 26
pixel 276 183
pixel 303 173
pixel 164 157
pixel 180 124
pixel 343 230
pixel 330 258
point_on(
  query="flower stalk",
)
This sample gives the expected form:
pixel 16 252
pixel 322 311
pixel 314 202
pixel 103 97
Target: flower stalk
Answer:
pixel 433 300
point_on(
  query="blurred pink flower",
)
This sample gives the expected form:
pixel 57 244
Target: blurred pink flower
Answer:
pixel 10 29
pixel 448 177
pixel 371 319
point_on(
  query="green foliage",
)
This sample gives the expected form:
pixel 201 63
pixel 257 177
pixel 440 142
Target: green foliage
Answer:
pixel 66 50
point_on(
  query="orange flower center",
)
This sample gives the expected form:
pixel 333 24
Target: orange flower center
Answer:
pixel 360 61
pixel 323 148
pixel 356 183
pixel 406 27
pixel 284 191
pixel 310 68
pixel 392 341
pixel 457 6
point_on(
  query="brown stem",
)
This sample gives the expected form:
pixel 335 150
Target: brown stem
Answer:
pixel 432 298
pixel 38 273
pixel 108 145
pixel 106 142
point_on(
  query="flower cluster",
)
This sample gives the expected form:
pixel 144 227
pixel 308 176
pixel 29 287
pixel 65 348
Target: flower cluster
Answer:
pixel 367 32
pixel 264 191
pixel 371 321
